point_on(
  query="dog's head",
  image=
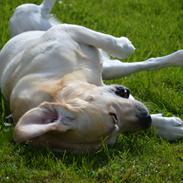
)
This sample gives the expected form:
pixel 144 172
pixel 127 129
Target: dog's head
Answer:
pixel 83 116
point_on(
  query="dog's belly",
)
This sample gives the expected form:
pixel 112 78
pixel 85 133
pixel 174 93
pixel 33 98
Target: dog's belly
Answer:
pixel 11 52
pixel 33 58
pixel 45 56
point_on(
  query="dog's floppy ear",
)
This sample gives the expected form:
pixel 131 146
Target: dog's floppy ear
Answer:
pixel 42 119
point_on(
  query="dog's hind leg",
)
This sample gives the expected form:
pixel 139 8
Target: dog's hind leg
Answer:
pixel 46 7
pixel 115 68
pixel 117 47
pixel 29 17
pixel 170 128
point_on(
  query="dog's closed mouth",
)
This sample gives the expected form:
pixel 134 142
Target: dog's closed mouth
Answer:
pixel 115 120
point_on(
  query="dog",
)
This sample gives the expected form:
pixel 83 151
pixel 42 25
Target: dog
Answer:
pixel 53 82
pixel 28 17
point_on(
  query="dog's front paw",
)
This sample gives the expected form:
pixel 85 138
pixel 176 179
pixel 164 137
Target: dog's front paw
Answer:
pixel 173 130
pixel 124 48
pixel 173 122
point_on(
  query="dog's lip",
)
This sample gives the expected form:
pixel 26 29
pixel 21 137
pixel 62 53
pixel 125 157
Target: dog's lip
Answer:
pixel 115 121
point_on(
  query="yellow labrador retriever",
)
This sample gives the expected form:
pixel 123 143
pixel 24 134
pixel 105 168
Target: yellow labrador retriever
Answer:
pixel 53 81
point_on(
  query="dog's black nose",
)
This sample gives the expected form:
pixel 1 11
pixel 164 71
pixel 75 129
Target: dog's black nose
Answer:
pixel 143 115
pixel 145 120
pixel 122 91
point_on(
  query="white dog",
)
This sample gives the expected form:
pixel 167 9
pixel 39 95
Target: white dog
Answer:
pixel 32 17
pixel 53 81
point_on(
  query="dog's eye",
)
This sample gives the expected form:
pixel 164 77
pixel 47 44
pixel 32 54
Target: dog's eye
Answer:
pixel 122 92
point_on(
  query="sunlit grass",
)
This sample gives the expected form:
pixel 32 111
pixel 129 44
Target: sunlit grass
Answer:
pixel 155 27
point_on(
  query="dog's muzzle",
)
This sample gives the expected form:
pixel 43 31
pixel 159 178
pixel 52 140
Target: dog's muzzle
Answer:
pixel 143 116
pixel 145 120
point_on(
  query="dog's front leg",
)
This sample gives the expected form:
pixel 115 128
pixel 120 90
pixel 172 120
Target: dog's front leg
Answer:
pixel 170 128
pixel 115 68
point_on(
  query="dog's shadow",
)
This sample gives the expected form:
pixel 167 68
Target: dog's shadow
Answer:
pixel 129 145
pixel 127 149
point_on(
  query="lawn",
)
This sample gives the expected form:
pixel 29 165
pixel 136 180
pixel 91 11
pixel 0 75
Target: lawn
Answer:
pixel 156 29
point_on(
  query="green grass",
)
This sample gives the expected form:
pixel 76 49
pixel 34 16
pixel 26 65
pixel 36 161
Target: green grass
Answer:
pixel 155 27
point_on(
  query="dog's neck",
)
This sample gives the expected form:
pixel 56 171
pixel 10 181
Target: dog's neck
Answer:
pixel 75 82
pixel 76 89
pixel 68 88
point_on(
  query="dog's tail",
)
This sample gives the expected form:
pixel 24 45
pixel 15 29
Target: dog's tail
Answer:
pixel 46 7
